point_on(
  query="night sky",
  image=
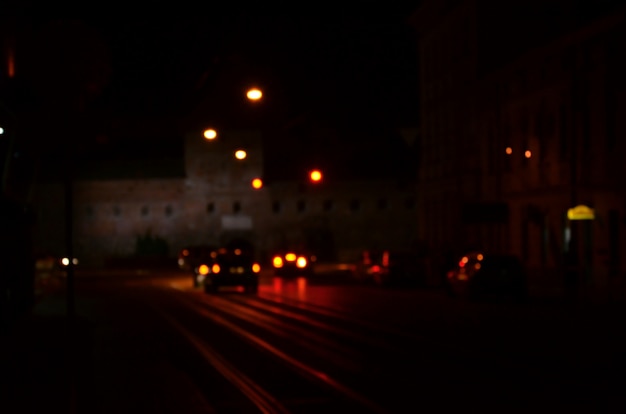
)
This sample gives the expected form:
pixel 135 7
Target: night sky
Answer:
pixel 354 72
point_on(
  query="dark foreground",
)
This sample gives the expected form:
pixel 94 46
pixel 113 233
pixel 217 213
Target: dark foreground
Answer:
pixel 151 343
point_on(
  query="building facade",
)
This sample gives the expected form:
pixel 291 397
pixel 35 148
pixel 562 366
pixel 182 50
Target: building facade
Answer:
pixel 511 146
pixel 215 201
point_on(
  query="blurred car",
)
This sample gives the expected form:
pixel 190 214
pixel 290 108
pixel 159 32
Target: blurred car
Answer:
pixel 390 267
pixel 190 257
pixel 293 263
pixel 229 266
pixel 480 275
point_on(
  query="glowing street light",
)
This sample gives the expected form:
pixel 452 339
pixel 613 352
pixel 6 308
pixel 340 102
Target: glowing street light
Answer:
pixel 315 176
pixel 210 134
pixel 240 154
pixel 509 150
pixel 257 183
pixel 254 94
pixel 528 154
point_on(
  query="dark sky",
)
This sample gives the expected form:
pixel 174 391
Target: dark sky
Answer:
pixel 354 71
pixel 361 63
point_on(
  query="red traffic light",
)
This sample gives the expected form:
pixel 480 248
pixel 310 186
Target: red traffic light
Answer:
pixel 315 176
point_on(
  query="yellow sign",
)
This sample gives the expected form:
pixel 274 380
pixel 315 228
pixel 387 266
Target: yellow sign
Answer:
pixel 581 212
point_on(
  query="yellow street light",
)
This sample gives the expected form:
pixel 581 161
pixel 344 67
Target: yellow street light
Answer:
pixel 210 134
pixel 240 154
pixel 254 94
pixel 257 183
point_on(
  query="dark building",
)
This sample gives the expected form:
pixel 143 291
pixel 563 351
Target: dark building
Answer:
pixel 522 110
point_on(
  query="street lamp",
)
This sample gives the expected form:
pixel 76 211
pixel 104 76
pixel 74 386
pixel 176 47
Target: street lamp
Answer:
pixel 315 176
pixel 254 94
pixel 210 134
pixel 240 154
pixel 257 183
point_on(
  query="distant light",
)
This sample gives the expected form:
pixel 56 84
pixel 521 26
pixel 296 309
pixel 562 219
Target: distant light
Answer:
pixel 240 154
pixel 1 130
pixel 210 134
pixel 315 176
pixel 527 154
pixel 257 183
pixel 254 94
pixel 509 150
pixel 301 262
pixel 256 268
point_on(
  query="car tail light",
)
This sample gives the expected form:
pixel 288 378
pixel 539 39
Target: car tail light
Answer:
pixel 301 262
pixel 215 268
pixel 290 257
pixel 385 261
pixel 256 268
pixel 203 269
pixel 278 262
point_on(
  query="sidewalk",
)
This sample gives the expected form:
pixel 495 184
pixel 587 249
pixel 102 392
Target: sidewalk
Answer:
pixel 113 359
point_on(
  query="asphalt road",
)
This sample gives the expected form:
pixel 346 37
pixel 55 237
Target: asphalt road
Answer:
pixel 149 342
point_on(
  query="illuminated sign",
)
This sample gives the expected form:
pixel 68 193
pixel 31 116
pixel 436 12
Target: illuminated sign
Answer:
pixel 581 212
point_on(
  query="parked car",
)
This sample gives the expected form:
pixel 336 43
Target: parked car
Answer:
pixel 479 275
pixel 293 262
pixel 230 266
pixel 390 267
pixel 191 257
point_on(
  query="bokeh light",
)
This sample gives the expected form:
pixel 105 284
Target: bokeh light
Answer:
pixel 210 134
pixel 315 175
pixel 257 183
pixel 254 94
